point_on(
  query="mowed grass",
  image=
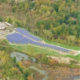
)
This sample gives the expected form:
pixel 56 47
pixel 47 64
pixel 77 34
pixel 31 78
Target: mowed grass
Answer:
pixel 33 50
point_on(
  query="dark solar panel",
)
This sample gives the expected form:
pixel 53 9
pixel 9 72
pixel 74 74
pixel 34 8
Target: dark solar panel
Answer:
pixel 17 38
pixel 28 34
pixel 52 47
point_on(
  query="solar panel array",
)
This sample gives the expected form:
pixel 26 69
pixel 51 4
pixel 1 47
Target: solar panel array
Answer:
pixel 19 38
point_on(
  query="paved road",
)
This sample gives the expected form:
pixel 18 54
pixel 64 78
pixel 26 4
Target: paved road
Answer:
pixel 24 37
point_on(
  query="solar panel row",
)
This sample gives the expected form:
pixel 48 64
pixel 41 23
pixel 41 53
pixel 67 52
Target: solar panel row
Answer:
pixel 28 34
pixel 17 38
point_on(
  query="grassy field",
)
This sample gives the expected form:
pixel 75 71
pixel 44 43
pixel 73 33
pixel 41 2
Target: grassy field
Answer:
pixel 36 50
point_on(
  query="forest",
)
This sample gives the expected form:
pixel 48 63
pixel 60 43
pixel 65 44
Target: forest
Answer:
pixel 53 21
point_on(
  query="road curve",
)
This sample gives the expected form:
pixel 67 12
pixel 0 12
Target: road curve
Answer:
pixel 22 36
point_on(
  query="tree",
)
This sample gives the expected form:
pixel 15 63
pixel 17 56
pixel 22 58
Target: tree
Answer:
pixel 78 32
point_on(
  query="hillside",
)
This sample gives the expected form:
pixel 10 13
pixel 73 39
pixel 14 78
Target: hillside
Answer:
pixel 50 19
pixel 39 40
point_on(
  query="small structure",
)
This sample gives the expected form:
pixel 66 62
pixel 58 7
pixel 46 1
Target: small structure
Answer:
pixel 5 26
pixel 8 24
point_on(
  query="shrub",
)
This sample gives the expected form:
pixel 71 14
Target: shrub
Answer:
pixel 1 19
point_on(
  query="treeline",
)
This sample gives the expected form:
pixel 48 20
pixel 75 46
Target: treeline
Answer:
pixel 55 20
